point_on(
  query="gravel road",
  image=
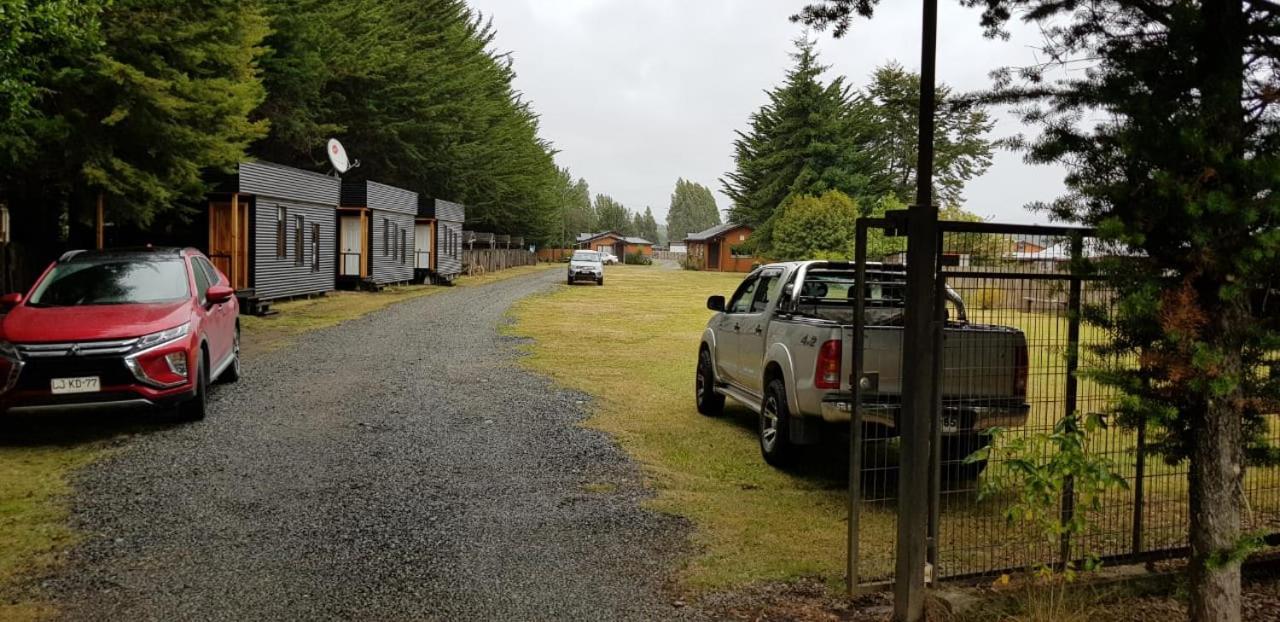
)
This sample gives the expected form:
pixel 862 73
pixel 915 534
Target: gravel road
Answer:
pixel 396 467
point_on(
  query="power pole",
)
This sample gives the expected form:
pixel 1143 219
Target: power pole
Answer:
pixel 919 392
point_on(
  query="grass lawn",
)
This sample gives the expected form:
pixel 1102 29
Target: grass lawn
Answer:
pixel 38 455
pixel 633 344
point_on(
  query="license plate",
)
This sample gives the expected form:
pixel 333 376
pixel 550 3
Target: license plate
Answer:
pixel 87 384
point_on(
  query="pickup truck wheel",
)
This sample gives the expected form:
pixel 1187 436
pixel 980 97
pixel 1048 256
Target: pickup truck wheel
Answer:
pixel 775 422
pixel 955 449
pixel 600 281
pixel 709 402
pixel 570 281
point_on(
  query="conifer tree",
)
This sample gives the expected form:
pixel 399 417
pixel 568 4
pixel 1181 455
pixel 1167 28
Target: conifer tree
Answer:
pixel 693 209
pixel 804 140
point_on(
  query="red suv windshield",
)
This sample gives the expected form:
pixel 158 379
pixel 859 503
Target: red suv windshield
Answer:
pixel 112 282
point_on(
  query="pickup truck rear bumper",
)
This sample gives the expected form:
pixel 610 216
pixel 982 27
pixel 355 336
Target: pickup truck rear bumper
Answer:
pixel 956 417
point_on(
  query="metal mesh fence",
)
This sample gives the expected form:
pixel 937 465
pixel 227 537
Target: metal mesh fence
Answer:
pixel 1016 357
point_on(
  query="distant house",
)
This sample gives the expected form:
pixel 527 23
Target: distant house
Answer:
pixel 614 242
pixel 715 249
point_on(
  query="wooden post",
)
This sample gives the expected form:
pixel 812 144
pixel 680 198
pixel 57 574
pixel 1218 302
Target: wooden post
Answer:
pixel 235 240
pixel 99 221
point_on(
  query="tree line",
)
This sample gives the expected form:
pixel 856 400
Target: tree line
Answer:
pixel 143 102
pixel 826 154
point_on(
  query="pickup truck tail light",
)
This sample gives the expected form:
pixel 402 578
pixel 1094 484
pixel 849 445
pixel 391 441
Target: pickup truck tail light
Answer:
pixel 827 374
pixel 1020 367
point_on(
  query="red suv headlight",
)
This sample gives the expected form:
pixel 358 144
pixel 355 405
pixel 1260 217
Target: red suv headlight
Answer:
pixel 163 364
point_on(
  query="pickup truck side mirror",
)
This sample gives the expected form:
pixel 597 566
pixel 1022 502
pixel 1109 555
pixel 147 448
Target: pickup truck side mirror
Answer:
pixel 716 303
pixel 8 301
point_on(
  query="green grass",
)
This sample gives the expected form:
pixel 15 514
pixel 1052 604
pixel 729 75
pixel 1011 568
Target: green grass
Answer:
pixel 38 456
pixel 633 345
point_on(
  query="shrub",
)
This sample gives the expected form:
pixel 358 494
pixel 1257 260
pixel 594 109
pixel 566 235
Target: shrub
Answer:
pixel 637 259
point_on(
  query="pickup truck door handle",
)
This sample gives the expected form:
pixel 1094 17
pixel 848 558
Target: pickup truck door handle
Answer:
pixel 759 329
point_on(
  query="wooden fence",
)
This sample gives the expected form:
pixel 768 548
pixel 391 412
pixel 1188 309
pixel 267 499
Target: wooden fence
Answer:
pixel 495 259
pixel 669 256
pixel 554 254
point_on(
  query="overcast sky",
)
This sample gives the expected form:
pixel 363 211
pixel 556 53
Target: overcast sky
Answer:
pixel 637 93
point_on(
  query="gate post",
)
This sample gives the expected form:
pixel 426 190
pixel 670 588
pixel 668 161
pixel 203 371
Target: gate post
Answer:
pixel 855 414
pixel 1071 390
pixel 919 394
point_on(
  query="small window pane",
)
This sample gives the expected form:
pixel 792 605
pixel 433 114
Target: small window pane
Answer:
pixel 299 242
pixel 315 247
pixel 282 237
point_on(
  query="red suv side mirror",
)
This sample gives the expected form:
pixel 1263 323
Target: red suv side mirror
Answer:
pixel 218 294
pixel 8 301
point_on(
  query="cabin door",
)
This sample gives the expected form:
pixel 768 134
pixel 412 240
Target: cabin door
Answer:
pixel 229 239
pixel 422 246
pixel 713 256
pixel 351 243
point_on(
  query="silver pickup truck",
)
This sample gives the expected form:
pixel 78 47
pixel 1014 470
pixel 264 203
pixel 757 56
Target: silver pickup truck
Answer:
pixel 778 346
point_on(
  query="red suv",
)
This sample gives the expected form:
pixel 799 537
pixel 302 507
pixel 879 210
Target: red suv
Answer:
pixel 120 328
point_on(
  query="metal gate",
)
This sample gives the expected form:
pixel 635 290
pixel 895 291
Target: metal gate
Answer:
pixel 1029 280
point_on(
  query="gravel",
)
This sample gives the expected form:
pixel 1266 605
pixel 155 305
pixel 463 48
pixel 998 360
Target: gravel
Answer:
pixel 399 466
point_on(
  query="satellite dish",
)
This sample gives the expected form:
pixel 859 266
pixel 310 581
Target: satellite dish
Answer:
pixel 338 156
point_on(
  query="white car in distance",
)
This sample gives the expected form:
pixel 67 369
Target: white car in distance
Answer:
pixel 586 266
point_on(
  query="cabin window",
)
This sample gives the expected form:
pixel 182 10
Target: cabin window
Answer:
pixel 282 235
pixel 386 237
pixel 315 247
pixel 404 244
pixel 299 241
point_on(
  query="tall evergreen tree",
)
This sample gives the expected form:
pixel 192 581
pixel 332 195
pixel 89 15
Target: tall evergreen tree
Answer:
pixel 164 99
pixel 577 213
pixel 37 38
pixel 612 215
pixel 693 209
pixel 804 140
pixel 648 225
pixel 1184 170
pixel 962 151
pixel 416 92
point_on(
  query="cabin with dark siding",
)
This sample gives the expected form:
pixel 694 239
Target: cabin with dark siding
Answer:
pixel 273 232
pixel 444 219
pixel 376 233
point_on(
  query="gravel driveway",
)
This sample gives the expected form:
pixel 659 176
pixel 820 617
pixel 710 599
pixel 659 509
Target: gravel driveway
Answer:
pixel 396 467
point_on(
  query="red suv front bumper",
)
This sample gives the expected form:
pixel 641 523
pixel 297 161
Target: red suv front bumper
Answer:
pixel 28 382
